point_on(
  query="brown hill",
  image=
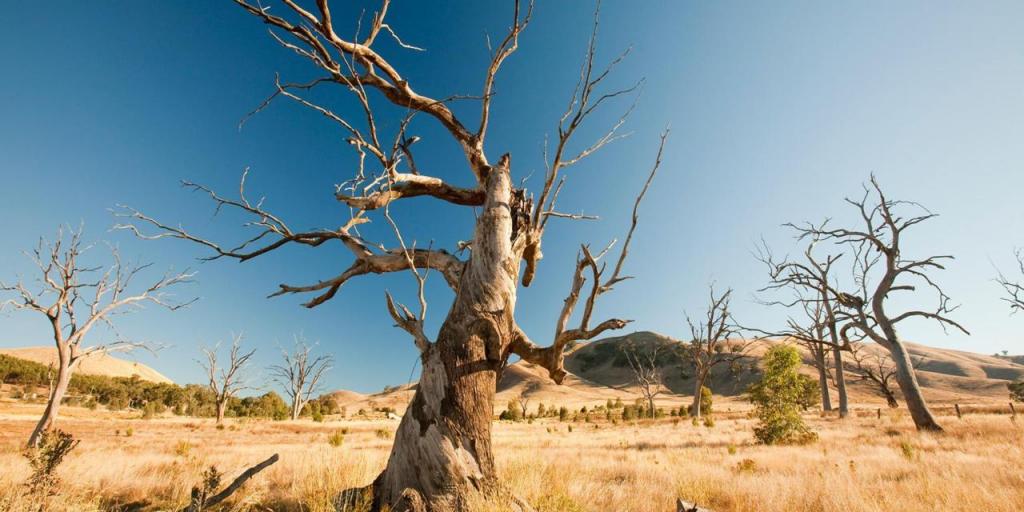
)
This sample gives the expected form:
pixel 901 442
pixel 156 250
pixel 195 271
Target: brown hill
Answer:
pixel 96 364
pixel 598 371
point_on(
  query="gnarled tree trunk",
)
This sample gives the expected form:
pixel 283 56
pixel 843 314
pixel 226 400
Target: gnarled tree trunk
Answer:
pixel 442 450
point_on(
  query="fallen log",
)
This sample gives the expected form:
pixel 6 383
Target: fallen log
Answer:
pixel 201 502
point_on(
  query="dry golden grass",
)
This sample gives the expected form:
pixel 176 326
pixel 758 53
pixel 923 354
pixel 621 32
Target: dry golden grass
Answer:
pixel 859 464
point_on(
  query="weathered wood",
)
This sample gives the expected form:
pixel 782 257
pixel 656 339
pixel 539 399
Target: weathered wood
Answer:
pixel 959 415
pixel 442 459
pixel 685 506
pixel 200 503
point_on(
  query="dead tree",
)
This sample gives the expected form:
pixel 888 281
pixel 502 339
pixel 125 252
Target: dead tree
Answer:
pixel 448 428
pixel 715 340
pixel 299 374
pixel 810 280
pixel 76 297
pixel 524 403
pixel 876 368
pixel 1014 290
pixel 644 363
pixel 230 379
pixel 881 270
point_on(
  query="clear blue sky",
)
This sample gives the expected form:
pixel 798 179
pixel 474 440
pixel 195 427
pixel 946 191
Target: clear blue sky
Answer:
pixel 777 113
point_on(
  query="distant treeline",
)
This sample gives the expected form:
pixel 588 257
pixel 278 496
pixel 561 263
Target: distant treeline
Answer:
pixel 118 393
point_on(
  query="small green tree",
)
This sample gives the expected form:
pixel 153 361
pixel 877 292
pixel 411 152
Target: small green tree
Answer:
pixel 563 413
pixel 1016 390
pixel 777 398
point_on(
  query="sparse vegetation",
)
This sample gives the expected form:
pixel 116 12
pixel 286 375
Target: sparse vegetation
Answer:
pixel 973 466
pixel 43 460
pixel 336 438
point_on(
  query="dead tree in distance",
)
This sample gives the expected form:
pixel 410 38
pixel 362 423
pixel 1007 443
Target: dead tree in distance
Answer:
pixel 75 297
pixel 876 368
pixel 230 379
pixel 882 270
pixel 448 426
pixel 300 373
pixel 644 362
pixel 715 340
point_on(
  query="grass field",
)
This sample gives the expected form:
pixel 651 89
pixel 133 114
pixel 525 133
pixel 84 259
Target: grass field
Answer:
pixel 859 464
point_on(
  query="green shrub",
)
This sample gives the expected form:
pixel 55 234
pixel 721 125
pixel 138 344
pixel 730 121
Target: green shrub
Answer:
pixel 746 466
pixel 563 413
pixel 907 449
pixel 336 439
pixel 182 448
pixel 777 399
pixel 43 460
pixel 629 413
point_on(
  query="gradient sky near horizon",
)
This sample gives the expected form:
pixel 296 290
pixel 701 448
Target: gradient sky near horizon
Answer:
pixel 777 112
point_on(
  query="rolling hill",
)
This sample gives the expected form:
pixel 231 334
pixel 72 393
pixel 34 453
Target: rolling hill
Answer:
pixel 598 372
pixel 101 364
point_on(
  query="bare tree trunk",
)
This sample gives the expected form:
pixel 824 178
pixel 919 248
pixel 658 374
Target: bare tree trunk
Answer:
pixel 296 409
pixel 697 387
pixel 837 357
pixel 826 399
pixel 57 392
pixel 222 405
pixel 905 377
pixel 890 398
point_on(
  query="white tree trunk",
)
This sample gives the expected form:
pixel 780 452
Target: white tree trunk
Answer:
pixel 907 379
pixel 57 392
